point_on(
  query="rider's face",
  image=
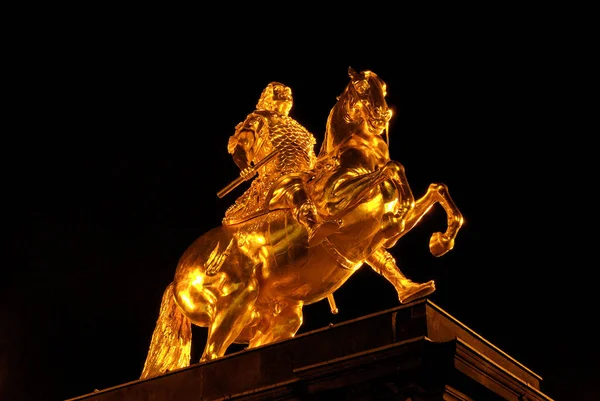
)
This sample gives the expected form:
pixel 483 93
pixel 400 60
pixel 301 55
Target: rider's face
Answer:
pixel 282 99
pixel 281 92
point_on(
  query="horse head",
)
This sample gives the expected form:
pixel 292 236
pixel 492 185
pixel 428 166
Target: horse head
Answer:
pixel 367 103
pixel 361 109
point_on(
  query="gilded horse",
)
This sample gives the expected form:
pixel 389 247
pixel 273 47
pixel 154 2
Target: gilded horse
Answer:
pixel 248 282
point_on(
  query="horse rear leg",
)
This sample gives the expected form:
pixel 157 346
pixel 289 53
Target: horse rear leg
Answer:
pixel 280 325
pixel 171 341
pixel 232 314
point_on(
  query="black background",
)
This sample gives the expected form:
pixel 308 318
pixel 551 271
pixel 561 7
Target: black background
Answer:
pixel 118 147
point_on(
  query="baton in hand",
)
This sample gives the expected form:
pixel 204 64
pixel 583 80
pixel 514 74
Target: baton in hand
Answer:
pixel 253 170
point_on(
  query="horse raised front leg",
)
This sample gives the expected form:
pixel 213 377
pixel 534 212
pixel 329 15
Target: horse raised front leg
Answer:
pixel 351 189
pixel 439 243
pixel 385 264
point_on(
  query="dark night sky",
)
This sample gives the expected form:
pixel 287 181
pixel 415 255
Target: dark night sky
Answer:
pixel 121 148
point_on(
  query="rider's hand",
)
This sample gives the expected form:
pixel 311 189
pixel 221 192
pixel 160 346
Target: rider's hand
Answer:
pixel 247 172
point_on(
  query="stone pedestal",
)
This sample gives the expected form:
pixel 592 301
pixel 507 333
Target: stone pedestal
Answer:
pixel 414 352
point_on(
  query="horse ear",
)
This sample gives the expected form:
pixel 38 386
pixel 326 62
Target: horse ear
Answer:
pixel 353 74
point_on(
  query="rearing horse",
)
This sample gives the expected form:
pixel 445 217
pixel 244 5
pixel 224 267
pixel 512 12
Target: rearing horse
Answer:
pixel 248 282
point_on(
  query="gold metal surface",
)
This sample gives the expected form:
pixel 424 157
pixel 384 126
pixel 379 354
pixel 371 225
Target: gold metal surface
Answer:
pixel 303 227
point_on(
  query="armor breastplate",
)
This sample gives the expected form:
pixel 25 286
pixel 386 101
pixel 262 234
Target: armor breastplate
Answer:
pixel 295 146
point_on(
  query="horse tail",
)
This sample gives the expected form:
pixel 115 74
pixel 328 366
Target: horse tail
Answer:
pixel 170 347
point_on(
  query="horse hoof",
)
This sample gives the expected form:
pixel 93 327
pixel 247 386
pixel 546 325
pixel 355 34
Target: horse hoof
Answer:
pixel 439 245
pixel 417 291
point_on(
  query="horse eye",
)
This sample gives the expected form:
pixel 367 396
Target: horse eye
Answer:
pixel 362 86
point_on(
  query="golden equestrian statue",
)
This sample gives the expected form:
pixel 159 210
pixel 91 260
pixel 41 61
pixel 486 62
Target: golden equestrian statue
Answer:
pixel 303 227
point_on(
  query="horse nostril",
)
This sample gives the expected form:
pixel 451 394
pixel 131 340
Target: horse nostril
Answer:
pixel 384 113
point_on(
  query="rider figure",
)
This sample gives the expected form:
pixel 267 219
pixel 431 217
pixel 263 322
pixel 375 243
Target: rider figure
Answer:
pixel 280 182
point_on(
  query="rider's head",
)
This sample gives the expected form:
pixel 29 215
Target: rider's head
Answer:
pixel 276 97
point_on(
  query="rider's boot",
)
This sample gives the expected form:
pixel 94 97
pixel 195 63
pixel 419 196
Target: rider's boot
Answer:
pixel 317 228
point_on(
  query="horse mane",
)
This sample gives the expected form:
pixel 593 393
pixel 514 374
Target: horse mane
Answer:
pixel 342 113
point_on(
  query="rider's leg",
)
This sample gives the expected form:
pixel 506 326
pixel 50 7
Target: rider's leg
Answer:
pixel 317 228
pixel 385 264
pixel 278 326
pixel 348 188
pixel 293 192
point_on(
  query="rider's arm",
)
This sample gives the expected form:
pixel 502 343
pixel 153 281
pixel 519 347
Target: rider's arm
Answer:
pixel 240 146
pixel 241 143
